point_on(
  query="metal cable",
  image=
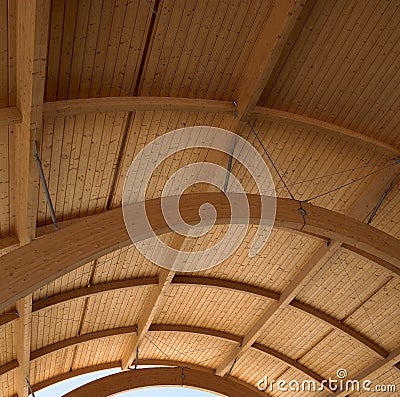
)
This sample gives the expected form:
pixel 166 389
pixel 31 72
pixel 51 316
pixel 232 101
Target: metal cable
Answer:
pixel 270 159
pixel 351 182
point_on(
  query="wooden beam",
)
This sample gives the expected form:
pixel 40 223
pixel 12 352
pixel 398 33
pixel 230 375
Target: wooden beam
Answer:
pixel 32 26
pixel 32 22
pixel 73 107
pixel 340 326
pixel 23 332
pixel 150 309
pixel 8 244
pixel 92 290
pixel 322 126
pixel 320 257
pixel 78 340
pixel 130 380
pixel 10 366
pixel 280 22
pixel 387 362
pixel 73 373
pixel 153 303
pixel 169 328
pixel 165 328
pixel 323 253
pixel 92 237
pixel 183 280
pixel 10 116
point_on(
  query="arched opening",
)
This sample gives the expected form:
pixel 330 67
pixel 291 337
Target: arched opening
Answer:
pixel 148 382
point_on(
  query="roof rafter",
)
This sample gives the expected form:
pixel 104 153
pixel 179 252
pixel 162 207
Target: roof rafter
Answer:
pixel 318 259
pixel 284 16
pixel 322 254
pixel 150 309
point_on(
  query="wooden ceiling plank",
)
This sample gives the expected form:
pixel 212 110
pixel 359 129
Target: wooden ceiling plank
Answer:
pixel 352 70
pixel 65 55
pixel 113 46
pixel 327 47
pixel 185 57
pixel 168 58
pixel 210 75
pixel 390 361
pixel 251 22
pixel 291 67
pixel 79 53
pixel 109 11
pixel 319 258
pixel 322 254
pixel 210 30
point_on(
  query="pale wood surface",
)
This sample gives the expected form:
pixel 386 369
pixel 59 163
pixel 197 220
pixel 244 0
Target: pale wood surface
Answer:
pixel 323 99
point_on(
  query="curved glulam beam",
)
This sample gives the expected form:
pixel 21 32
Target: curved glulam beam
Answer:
pixel 92 290
pixel 147 377
pixel 56 254
pixel 164 328
pixel 182 280
pixel 322 126
pixel 73 107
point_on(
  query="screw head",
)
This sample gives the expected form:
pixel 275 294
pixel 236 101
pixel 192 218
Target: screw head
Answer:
pixel 302 211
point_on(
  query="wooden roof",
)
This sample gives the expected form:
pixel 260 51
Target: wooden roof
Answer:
pixel 93 82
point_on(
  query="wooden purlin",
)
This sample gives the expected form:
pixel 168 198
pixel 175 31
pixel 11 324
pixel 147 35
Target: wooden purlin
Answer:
pixel 318 259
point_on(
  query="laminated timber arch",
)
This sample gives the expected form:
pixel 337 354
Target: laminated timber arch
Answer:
pixel 182 280
pixel 188 368
pixel 163 328
pixel 388 361
pixel 73 107
pixel 148 377
pixel 59 253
